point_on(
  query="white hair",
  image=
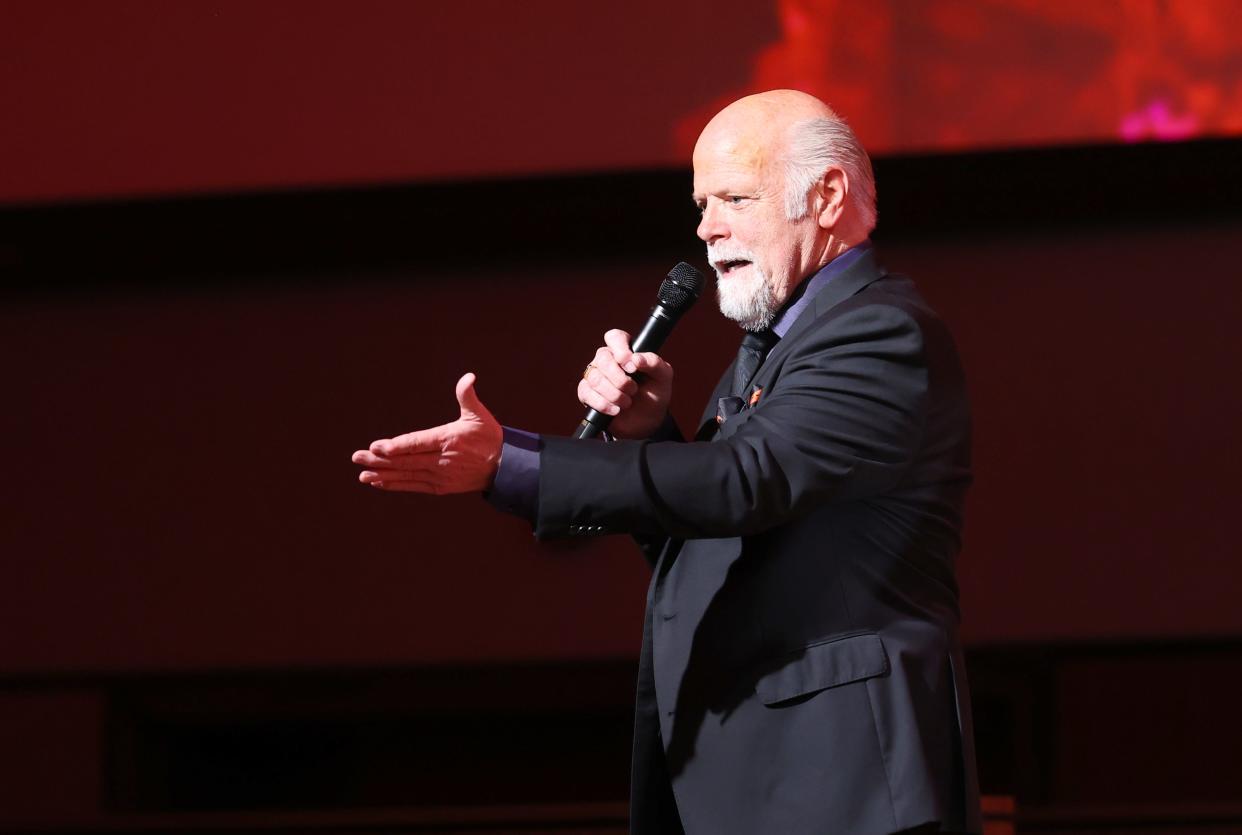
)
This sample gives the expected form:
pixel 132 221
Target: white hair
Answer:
pixel 749 299
pixel 817 145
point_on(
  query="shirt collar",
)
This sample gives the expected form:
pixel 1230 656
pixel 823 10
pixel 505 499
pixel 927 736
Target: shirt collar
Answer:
pixel 807 290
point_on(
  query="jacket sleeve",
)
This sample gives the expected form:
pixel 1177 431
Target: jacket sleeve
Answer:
pixel 842 420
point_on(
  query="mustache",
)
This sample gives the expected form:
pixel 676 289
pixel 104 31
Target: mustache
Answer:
pixel 716 255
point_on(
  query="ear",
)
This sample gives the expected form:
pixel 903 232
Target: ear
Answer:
pixel 830 196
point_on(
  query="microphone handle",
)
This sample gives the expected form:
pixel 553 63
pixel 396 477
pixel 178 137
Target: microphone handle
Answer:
pixel 650 338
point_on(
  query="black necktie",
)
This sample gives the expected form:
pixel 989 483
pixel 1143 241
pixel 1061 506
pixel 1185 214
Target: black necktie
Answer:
pixel 750 356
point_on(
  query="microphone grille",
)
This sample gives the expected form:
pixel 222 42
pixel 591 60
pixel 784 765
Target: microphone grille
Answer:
pixel 681 288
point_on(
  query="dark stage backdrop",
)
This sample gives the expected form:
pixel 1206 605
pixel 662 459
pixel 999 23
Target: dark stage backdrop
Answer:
pixel 178 492
pixel 177 422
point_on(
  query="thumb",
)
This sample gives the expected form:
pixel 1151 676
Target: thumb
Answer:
pixel 471 406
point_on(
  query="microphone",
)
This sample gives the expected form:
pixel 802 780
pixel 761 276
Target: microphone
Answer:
pixel 677 293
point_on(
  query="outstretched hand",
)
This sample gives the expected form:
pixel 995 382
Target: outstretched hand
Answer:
pixel 457 457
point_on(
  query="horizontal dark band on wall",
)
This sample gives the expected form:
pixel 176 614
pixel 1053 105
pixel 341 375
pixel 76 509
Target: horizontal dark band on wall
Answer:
pixel 312 234
pixel 603 673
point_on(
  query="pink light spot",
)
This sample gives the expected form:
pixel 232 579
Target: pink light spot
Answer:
pixel 1156 120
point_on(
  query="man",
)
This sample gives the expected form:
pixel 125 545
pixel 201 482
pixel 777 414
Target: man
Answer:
pixel 800 668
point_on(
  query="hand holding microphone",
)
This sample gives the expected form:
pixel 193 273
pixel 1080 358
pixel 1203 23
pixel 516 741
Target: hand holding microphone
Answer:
pixel 627 385
pixel 632 389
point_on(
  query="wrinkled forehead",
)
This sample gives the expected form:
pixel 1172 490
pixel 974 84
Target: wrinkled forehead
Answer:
pixel 737 148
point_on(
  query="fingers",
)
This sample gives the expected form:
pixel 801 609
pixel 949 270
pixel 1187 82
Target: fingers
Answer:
pixel 653 366
pixel 418 462
pixel 606 368
pixel 471 406
pixel 619 341
pixel 409 487
pixel 606 387
pixel 404 485
pixel 367 458
pixel 391 475
pixel 411 443
pixel 595 398
pixel 606 377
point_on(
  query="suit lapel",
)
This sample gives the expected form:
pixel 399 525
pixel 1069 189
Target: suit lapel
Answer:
pixel 852 281
pixel 708 424
pixel 857 276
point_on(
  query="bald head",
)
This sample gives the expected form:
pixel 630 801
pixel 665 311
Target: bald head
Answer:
pixel 795 131
pixel 773 113
pixel 756 129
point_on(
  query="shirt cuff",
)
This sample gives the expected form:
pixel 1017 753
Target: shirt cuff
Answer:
pixel 516 486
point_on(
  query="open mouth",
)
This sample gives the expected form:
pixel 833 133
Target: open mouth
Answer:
pixel 726 267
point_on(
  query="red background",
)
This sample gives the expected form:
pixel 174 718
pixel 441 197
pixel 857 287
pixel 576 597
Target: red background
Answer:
pixel 140 97
pixel 186 558
pixel 179 492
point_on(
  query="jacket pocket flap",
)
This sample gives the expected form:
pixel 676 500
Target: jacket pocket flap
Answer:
pixel 823 665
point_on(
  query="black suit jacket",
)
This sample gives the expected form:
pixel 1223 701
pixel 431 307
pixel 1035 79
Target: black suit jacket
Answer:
pixel 801 664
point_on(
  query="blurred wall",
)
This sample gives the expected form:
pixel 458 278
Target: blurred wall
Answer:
pixel 188 562
pixel 141 97
pixel 180 492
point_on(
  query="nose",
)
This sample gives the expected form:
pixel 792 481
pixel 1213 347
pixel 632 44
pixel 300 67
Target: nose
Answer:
pixel 711 228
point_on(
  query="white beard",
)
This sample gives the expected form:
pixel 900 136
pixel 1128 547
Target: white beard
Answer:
pixel 746 299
